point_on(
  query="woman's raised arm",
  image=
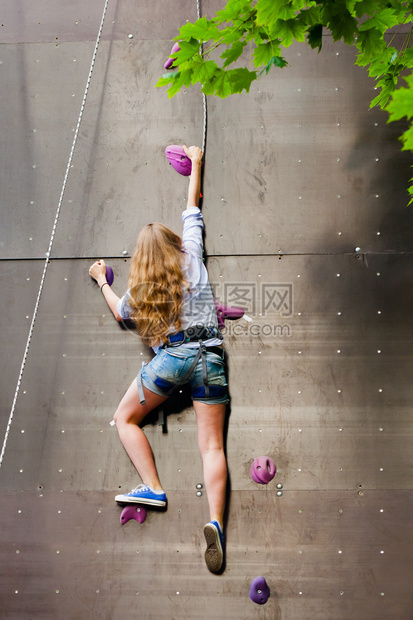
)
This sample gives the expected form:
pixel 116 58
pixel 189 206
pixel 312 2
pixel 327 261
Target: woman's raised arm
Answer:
pixel 195 155
pixel 98 273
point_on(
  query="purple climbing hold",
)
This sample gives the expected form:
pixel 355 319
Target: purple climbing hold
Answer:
pixel 178 160
pixel 263 469
pixel 109 275
pixel 227 312
pixel 170 60
pixel 133 512
pixel 259 591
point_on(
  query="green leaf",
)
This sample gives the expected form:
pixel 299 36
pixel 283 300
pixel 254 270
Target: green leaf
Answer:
pixel 276 61
pixel 263 54
pixel 289 30
pixel 339 20
pixel 240 79
pixel 382 20
pixel 187 51
pixel 407 58
pixel 382 98
pixel 377 67
pixel 204 72
pixel 229 82
pixel 387 84
pixel 233 11
pixel 401 104
pixel 370 42
pixel 233 53
pixel 361 7
pixel 220 85
pixel 407 139
pixel 300 5
pixel 410 190
pixel 183 78
pixel 166 79
pixel 380 63
pixel 269 11
pixel 257 34
pixel 202 30
pixel 175 81
pixel 315 36
pixel 311 16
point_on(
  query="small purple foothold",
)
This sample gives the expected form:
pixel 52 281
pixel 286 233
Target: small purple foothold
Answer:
pixel 170 60
pixel 109 275
pixel 227 312
pixel 263 469
pixel 133 512
pixel 259 591
pixel 178 160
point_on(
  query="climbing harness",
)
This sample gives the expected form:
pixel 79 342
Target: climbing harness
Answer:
pixel 193 334
pixel 47 261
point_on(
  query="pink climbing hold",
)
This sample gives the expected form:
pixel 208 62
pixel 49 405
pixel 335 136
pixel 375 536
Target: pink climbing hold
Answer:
pixel 263 469
pixel 175 154
pixel 133 512
pixel 170 60
pixel 227 312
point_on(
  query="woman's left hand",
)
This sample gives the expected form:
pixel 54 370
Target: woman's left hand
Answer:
pixel 98 270
pixel 194 153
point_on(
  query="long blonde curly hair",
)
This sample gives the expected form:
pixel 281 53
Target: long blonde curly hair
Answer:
pixel 156 283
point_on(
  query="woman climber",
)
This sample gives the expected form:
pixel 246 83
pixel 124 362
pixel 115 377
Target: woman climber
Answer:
pixel 171 303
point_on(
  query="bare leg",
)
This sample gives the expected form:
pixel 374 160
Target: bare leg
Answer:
pixel 210 421
pixel 128 416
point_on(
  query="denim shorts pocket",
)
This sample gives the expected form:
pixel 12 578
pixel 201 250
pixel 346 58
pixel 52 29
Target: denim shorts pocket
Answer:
pixel 168 367
pixel 216 370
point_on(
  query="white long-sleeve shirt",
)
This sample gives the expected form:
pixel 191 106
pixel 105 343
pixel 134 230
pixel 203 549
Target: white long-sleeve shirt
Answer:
pixel 198 305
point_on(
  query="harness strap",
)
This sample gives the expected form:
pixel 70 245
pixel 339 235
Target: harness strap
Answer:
pixel 140 386
pixel 202 350
pixel 195 333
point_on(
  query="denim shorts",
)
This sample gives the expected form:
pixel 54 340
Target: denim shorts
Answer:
pixel 172 364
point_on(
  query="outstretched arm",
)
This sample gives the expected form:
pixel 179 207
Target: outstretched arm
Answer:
pixel 195 155
pixel 98 273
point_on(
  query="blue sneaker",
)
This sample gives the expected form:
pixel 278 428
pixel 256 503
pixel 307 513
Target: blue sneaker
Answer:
pixel 214 553
pixel 143 495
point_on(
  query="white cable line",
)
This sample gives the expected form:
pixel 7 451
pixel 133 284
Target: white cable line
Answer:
pixel 205 123
pixel 36 308
pixel 198 7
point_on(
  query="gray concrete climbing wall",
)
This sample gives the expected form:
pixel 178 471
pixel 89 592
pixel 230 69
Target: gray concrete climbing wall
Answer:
pixel 299 174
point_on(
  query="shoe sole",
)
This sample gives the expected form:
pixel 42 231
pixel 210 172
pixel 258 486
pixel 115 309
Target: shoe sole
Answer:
pixel 124 499
pixel 214 554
